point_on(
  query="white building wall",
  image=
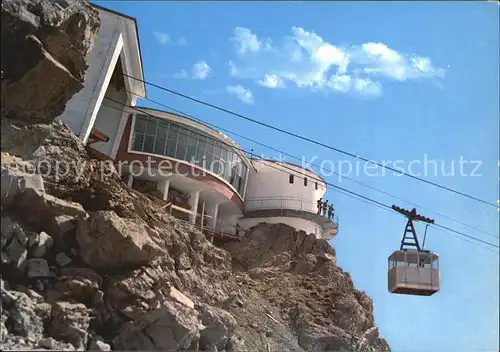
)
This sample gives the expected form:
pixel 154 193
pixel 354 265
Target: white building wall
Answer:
pixel 117 39
pixel 109 118
pixel 79 106
pixel 299 224
pixel 269 188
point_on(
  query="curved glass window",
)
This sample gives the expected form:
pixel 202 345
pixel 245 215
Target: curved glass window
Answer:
pixel 172 139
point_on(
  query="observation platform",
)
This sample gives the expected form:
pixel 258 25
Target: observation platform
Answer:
pixel 292 207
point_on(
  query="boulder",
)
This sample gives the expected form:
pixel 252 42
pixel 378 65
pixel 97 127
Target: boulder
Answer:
pixel 171 327
pixel 45 43
pixel 37 268
pixel 180 297
pixel 10 229
pixel 62 259
pixel 99 345
pixel 43 245
pixel 52 344
pixel 106 240
pixel 39 206
pixel 16 253
pixel 15 181
pixel 26 315
pixel 70 322
pixel 219 326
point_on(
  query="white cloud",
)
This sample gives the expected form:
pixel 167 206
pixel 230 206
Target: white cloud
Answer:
pixel 306 60
pixel 271 81
pixel 366 86
pixel 245 40
pixel 164 38
pixel 200 71
pixel 241 93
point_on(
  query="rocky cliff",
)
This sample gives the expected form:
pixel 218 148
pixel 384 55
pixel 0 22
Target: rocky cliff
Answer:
pixel 90 264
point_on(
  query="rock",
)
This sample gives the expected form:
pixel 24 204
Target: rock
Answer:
pixel 43 246
pixel 82 273
pixel 371 335
pixel 70 322
pixel 62 259
pixel 22 238
pixel 81 289
pixel 219 326
pixel 4 259
pixel 98 345
pixel 26 316
pixel 107 240
pixel 15 181
pixel 41 206
pixel 37 268
pixel 180 297
pixel 171 327
pixel 33 238
pixel 16 253
pixel 52 344
pixel 98 298
pixel 47 43
pixel 61 226
pixel 10 229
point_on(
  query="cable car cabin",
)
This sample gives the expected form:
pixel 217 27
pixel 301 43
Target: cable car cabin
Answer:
pixel 414 272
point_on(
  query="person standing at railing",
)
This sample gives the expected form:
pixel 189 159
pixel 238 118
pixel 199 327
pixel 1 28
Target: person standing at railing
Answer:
pixel 325 208
pixel 330 211
pixel 320 205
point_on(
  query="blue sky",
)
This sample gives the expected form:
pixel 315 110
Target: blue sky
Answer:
pixel 385 80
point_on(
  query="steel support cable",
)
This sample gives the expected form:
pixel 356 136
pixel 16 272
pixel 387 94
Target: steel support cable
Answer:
pixel 321 180
pixel 321 168
pixel 310 140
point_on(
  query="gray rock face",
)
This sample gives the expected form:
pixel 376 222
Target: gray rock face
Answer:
pixel 15 182
pixel 171 327
pixel 70 322
pixel 219 326
pixel 107 240
pixel 45 44
pixel 26 316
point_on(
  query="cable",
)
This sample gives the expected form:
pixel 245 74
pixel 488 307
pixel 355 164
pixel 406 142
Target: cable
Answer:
pixel 320 167
pixel 327 183
pixel 465 235
pixel 307 139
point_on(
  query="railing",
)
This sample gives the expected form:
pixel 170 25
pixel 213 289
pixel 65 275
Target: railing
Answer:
pixel 284 203
pixel 221 227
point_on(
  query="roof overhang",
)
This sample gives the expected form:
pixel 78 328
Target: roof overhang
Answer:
pixel 131 51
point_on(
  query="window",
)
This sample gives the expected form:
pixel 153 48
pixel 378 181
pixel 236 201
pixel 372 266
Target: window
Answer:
pixel 161 138
pixel 316 186
pixel 149 143
pixel 191 148
pixel 290 179
pixel 200 150
pixel 305 181
pixel 173 133
pixel 176 140
pixel 138 141
pixel 180 152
